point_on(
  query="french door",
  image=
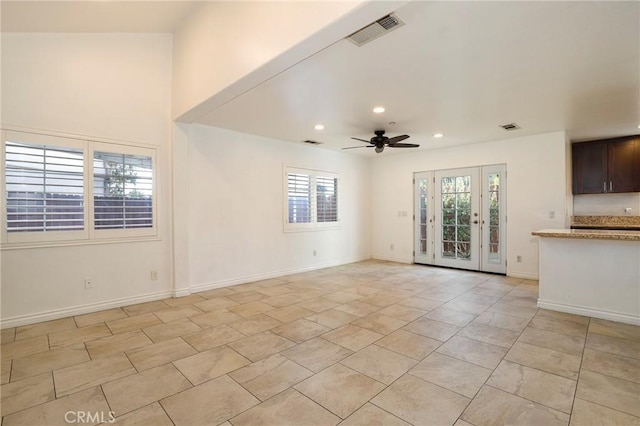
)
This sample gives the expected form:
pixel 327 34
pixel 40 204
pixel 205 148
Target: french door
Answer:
pixel 460 218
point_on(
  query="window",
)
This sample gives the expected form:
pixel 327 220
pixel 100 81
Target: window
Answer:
pixel 59 189
pixel 312 199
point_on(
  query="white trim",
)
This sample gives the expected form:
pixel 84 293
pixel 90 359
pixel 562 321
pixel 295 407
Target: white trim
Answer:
pixel 82 309
pixel 398 259
pixel 274 274
pixel 523 275
pixel 181 292
pixel 589 312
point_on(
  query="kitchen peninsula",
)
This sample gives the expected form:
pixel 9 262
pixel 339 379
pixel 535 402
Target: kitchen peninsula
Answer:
pixel 592 272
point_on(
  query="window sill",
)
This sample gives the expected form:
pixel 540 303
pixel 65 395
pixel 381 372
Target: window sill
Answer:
pixel 54 244
pixel 289 230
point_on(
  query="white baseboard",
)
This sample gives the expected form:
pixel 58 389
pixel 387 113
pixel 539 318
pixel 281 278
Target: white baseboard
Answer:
pixel 590 312
pixel 82 309
pixel 523 275
pixel 398 259
pixel 181 292
pixel 273 274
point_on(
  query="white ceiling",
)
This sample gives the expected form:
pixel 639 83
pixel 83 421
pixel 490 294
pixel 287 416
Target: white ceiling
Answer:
pixel 463 69
pixel 460 68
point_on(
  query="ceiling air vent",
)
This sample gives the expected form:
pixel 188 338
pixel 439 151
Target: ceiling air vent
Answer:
pixel 375 30
pixel 509 127
pixel 310 142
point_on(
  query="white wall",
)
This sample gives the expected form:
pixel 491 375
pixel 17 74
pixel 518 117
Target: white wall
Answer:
pixel 606 204
pixel 536 185
pixel 114 86
pixel 236 208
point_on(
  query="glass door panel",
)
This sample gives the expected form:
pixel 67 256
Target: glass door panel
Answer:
pixel 423 217
pixel 494 214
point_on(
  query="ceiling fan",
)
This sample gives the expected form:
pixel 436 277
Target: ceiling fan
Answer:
pixel 379 141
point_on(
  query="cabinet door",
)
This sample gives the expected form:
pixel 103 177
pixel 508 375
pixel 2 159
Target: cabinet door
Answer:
pixel 589 161
pixel 623 166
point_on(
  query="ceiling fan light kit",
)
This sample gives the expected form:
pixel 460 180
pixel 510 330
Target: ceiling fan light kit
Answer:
pixel 379 141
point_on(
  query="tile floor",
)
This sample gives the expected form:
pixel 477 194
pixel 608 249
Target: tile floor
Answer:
pixel 372 343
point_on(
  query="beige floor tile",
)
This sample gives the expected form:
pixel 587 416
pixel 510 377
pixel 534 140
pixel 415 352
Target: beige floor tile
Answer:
pixel 457 318
pixel 255 324
pixel 380 323
pixel 339 389
pixel 609 391
pixel 516 311
pixel 246 297
pixel 409 344
pixel 151 415
pixel 613 345
pixel 160 353
pixel 317 354
pixel 612 365
pixel 289 313
pixel 544 359
pixel 8 335
pixel 250 309
pixel 107 346
pixel 332 318
pixel 43 362
pixel 169 330
pixel 433 329
pixel 215 318
pixel 578 319
pixel 135 391
pixel 473 351
pixel 383 299
pixel 357 308
pixel 273 291
pixel 587 413
pixel 213 337
pixel 492 335
pixel 461 422
pixel 450 373
pixel 422 303
pixel 215 304
pixel 352 337
pixel 173 314
pixel 185 300
pixel 544 388
pixel 288 408
pixel 261 345
pixel 16 396
pixel 33 330
pixel 210 364
pixel 380 364
pixel 318 305
pixel 300 330
pixel 78 335
pixel 98 317
pixel 486 296
pixel 507 322
pixel 144 308
pixel 270 376
pixel 363 290
pixel 88 374
pixel 217 292
pixel 404 313
pixel 132 323
pixel 6 370
pixel 210 403
pixel 370 415
pixel 53 412
pixel 415 400
pixel 282 300
pixel 493 406
pixel 524 301
pixel 614 329
pixel 467 307
pixel 24 347
pixel 567 327
pixel 343 297
pixel 571 345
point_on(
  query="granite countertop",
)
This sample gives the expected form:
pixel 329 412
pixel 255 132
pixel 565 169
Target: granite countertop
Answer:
pixel 604 222
pixel 589 234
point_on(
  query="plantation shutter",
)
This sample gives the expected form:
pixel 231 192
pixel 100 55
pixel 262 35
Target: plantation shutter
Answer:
pixel 299 197
pixel 327 199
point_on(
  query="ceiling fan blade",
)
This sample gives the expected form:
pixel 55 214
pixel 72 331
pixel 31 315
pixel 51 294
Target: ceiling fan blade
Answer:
pixel 361 140
pixel 403 145
pixel 354 147
pixel 396 139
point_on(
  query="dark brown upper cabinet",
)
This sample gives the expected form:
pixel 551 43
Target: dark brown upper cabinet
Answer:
pixel 606 166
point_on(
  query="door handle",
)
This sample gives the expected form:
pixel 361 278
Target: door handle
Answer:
pixel 475 222
pixel 604 186
pixel 610 186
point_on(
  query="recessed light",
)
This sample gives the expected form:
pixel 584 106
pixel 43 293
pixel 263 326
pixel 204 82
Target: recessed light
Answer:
pixel 438 135
pixel 318 127
pixel 378 110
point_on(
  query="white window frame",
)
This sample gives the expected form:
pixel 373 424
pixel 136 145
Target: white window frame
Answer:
pixel 89 235
pixel 314 225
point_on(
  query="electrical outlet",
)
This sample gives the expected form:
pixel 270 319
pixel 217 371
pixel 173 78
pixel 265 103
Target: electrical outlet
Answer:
pixel 88 284
pixel 154 275
pixel 315 252
pixel 519 259
pixel 391 247
pixel 552 215
pixel 628 210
